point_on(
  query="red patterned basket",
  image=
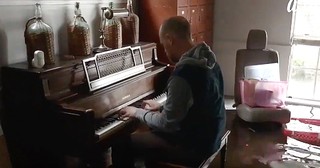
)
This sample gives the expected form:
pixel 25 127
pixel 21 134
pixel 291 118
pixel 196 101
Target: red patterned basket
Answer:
pixel 308 121
pixel 303 130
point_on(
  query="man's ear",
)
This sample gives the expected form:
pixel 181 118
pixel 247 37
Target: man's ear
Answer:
pixel 169 39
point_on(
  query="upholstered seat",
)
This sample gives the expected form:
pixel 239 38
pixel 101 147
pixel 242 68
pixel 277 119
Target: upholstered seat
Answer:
pixel 259 114
pixel 256 53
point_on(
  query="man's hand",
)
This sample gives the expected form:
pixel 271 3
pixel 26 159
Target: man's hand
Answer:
pixel 127 112
pixel 151 105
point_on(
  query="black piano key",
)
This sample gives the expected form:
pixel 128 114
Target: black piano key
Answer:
pixel 107 121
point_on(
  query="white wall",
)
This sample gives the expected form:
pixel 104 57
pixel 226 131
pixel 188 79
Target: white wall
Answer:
pixel 233 20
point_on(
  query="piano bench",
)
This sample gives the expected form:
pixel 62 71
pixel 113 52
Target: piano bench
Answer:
pixel 207 162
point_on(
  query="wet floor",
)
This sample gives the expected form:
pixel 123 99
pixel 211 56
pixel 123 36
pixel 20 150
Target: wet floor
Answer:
pixel 265 146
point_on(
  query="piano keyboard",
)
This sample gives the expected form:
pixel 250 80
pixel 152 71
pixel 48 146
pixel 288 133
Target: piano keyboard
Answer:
pixel 161 98
pixel 108 124
pixel 111 122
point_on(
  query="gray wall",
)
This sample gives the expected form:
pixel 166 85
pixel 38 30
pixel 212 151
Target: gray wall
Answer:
pixel 233 20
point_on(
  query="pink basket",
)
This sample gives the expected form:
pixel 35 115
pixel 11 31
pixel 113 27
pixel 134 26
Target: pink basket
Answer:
pixel 257 93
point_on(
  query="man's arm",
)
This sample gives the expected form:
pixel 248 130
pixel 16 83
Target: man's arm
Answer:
pixel 151 105
pixel 179 100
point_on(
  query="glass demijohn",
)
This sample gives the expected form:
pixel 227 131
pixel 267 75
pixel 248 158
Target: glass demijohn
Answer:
pixel 130 26
pixel 79 35
pixel 39 36
pixel 113 32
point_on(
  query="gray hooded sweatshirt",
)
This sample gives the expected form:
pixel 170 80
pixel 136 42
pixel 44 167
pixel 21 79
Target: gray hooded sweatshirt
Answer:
pixel 179 93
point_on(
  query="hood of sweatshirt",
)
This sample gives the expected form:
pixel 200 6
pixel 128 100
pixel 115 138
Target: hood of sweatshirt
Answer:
pixel 200 55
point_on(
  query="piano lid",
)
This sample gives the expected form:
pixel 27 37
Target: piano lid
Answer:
pixel 112 66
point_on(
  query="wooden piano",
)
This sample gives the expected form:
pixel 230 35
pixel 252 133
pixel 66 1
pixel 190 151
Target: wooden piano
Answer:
pixel 70 108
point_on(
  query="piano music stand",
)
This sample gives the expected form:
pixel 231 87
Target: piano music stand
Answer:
pixel 112 66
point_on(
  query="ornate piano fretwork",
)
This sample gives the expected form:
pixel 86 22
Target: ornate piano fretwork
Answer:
pixel 112 66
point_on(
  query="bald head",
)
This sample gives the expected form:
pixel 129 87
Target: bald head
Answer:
pixel 175 37
pixel 176 26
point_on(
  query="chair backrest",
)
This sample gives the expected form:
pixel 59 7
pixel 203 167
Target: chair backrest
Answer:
pixel 255 53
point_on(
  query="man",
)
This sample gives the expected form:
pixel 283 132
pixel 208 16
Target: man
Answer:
pixel 192 121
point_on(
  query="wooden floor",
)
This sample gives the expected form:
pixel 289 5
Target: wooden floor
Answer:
pixel 4 157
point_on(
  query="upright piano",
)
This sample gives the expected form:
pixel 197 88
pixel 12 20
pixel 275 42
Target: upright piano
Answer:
pixel 70 108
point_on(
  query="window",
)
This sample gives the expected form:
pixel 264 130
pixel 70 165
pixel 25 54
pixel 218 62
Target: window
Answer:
pixel 304 69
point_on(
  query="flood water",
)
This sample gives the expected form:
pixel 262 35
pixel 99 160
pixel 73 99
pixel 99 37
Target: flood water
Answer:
pixel 265 146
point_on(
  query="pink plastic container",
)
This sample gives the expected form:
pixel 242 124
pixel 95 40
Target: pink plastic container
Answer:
pixel 256 93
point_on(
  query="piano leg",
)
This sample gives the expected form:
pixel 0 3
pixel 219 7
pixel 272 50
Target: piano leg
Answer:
pixel 73 162
pixel 122 153
pixel 96 159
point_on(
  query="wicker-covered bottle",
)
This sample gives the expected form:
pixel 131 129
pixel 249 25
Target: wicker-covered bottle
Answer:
pixel 130 26
pixel 79 35
pixel 39 36
pixel 113 32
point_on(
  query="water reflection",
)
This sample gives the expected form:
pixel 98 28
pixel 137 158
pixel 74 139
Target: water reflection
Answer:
pixel 264 145
pixel 293 154
pixel 253 146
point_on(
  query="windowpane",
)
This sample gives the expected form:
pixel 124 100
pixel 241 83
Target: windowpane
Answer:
pixel 304 56
pixel 301 83
pixel 317 91
pixel 319 62
pixel 304 74
pixel 307 22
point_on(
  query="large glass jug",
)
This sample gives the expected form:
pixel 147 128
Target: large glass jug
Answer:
pixel 130 26
pixel 79 35
pixel 39 36
pixel 113 32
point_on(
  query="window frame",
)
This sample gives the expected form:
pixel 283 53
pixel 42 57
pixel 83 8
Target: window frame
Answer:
pixel 306 40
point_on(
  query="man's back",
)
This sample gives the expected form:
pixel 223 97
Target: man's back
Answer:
pixel 204 123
